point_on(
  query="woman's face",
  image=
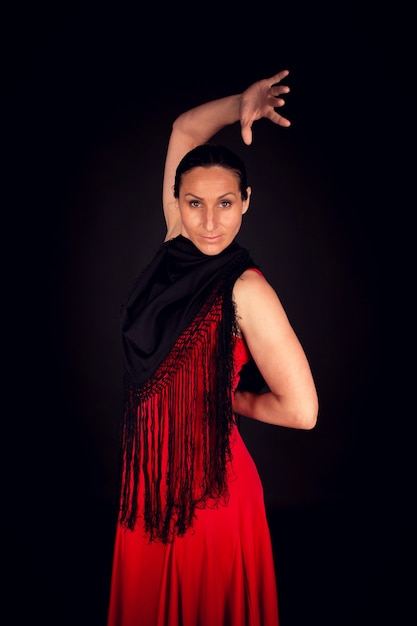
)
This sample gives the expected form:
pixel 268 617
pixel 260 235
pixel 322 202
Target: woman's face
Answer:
pixel 211 207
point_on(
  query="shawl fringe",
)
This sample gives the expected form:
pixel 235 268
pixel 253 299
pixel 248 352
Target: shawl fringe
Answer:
pixel 176 426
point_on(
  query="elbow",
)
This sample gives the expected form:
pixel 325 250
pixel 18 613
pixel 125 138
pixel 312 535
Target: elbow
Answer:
pixel 309 422
pixel 305 418
pixel 308 416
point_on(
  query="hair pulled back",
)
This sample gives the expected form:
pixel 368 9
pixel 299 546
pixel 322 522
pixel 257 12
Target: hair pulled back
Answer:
pixel 210 155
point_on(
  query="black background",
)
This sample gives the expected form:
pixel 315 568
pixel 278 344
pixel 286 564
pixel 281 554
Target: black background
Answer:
pixel 90 94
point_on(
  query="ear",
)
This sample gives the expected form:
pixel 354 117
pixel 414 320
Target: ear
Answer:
pixel 246 202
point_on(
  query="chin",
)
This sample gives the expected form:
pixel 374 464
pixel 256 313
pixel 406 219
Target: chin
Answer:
pixel 211 249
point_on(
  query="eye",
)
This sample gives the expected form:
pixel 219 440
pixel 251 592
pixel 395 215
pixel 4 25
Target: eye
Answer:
pixel 225 204
pixel 195 204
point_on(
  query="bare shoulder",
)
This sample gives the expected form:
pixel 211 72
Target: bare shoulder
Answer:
pixel 250 284
pixel 257 302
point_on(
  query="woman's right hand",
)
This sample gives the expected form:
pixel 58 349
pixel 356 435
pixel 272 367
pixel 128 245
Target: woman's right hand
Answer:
pixel 260 100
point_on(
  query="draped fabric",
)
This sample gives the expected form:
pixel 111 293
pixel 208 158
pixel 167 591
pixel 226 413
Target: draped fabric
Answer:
pixel 167 296
pixel 219 573
pixel 193 544
pixel 179 331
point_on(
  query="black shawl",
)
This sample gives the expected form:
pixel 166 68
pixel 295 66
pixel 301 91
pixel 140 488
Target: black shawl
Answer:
pixel 178 330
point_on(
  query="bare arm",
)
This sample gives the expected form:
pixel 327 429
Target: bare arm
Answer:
pixel 198 125
pixel 292 399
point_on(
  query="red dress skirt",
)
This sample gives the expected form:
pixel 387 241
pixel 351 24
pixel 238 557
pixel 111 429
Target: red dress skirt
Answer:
pixel 220 573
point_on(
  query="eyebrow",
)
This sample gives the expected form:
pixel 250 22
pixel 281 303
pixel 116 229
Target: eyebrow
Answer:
pixel 223 195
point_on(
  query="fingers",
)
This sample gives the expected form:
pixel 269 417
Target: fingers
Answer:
pixel 275 102
pixel 261 100
pixel 276 118
pixel 276 78
pixel 278 90
pixel 246 132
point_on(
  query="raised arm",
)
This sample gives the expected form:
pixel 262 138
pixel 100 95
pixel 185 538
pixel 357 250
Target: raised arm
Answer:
pixel 198 125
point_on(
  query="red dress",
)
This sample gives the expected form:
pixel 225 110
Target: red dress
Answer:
pixel 220 573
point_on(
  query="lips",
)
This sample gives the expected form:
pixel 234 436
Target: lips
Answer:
pixel 211 239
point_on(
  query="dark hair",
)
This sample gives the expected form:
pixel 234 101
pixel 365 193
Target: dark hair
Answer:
pixel 208 155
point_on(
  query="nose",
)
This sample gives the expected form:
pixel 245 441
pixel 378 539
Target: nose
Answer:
pixel 209 219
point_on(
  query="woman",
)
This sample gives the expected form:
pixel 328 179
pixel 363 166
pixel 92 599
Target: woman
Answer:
pixel 192 545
